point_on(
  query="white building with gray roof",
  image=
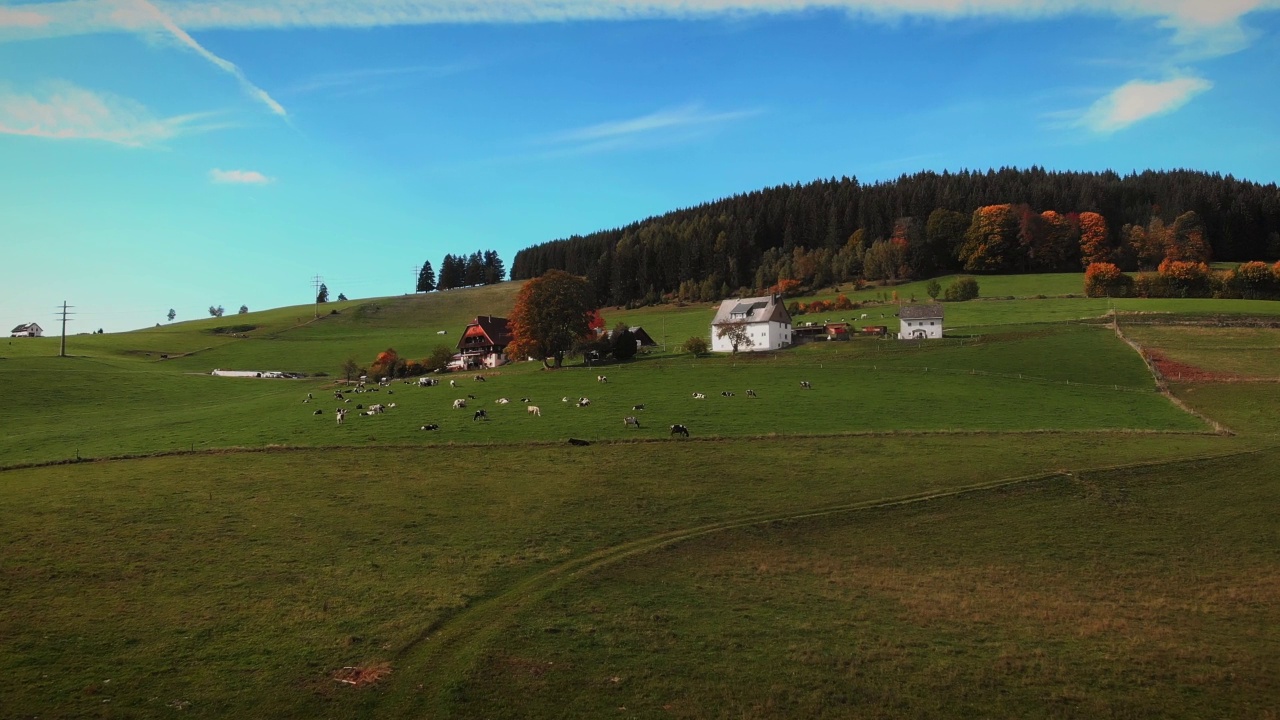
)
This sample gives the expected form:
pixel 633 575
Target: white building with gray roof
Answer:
pixel 921 322
pixel 764 319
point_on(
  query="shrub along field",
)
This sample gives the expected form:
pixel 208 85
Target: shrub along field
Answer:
pixel 763 568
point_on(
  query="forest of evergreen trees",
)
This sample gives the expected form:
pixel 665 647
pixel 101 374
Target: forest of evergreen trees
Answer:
pixel 478 268
pixel 917 226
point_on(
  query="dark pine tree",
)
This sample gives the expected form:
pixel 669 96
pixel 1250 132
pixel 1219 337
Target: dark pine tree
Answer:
pixel 426 278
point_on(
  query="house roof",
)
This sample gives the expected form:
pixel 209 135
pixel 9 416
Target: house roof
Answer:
pixel 495 329
pixel 24 328
pixel 642 336
pixel 921 312
pixel 756 309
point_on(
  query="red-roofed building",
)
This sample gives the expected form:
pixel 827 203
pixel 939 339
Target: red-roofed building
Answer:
pixel 483 341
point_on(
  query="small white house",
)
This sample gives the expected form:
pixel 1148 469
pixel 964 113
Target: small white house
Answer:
pixel 765 320
pixel 28 330
pixel 921 322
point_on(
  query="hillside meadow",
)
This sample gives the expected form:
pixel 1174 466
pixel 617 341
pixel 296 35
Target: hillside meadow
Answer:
pixel 1011 521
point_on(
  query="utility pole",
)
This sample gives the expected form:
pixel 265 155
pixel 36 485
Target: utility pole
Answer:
pixel 317 281
pixel 62 352
pixel 417 271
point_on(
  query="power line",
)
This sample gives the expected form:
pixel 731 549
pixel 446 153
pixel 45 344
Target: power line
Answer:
pixel 317 281
pixel 62 352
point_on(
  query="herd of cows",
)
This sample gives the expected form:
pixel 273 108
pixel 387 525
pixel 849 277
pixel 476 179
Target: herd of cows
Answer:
pixel 384 385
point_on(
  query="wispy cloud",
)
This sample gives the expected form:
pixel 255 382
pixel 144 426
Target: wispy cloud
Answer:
pixel 372 78
pixel 239 177
pixel 1138 99
pixel 80 16
pixel 63 111
pixel 647 125
pixel 143 15
pixel 15 18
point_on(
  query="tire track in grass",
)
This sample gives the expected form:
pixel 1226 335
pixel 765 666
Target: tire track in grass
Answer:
pixel 437 661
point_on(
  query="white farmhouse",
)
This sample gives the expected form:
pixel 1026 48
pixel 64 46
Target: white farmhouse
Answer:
pixel 920 322
pixel 28 330
pixel 765 320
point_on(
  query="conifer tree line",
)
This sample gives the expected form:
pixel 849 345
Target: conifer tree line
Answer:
pixel 918 226
pixel 478 268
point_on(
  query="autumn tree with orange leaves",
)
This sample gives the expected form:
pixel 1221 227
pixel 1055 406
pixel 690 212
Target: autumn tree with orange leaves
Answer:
pixel 1095 245
pixel 551 313
pixel 991 243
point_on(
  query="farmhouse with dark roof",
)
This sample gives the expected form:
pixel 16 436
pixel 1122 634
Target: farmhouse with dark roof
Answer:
pixel 921 322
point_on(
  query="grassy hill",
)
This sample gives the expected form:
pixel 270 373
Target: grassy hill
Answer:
pixel 1013 518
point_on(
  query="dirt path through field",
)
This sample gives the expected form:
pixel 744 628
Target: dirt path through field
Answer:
pixel 439 659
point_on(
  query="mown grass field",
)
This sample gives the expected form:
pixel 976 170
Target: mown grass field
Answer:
pixel 760 569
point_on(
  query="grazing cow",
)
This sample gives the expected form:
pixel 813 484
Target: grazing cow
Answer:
pixel 470 396
pixel 579 443
pixel 318 412
pixel 459 404
pixel 680 430
pixel 699 396
pixel 432 426
pixel 453 383
pixel 308 396
pixel 480 415
pixel 535 410
pixel 342 414
pixel 752 393
pixel 804 384
pixel 602 379
pixel 864 316
pixel 630 421
pixel 376 408
pixel 337 395
pixel 726 393
pixel 502 401
pixel 637 407
pixel 583 402
pixel 478 378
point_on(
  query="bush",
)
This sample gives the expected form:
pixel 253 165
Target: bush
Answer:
pixel 963 289
pixel 1187 279
pixel 696 346
pixel 1252 281
pixel 1106 280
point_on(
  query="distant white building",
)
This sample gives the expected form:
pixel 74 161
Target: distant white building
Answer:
pixel 921 322
pixel 766 321
pixel 28 330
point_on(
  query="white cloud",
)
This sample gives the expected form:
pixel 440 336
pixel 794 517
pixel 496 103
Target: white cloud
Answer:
pixel 687 116
pixel 64 111
pixel 239 177
pixel 82 16
pixel 1138 100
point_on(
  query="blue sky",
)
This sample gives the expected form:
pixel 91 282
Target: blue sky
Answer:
pixel 182 154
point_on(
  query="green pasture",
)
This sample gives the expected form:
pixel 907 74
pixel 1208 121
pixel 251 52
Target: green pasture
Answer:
pixel 1247 352
pixel 804 554
pixel 1046 377
pixel 1149 592
pixel 235 584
